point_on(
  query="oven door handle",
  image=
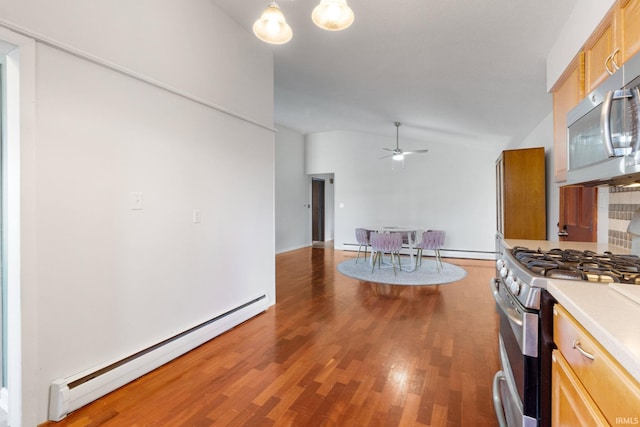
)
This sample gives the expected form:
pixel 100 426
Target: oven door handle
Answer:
pixel 510 312
pixel 497 400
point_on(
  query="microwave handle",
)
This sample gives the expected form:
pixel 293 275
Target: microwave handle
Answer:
pixel 635 95
pixel 605 121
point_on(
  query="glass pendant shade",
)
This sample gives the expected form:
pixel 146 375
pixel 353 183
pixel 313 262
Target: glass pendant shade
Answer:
pixel 332 15
pixel 272 27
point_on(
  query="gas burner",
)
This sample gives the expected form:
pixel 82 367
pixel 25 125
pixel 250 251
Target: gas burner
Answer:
pixel 571 264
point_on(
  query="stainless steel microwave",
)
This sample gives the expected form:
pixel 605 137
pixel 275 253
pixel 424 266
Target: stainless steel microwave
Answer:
pixel 603 140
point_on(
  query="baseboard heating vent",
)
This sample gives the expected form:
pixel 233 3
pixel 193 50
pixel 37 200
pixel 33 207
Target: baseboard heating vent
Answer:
pixel 71 393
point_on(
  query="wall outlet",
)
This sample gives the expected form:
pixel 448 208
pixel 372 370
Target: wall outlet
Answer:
pixel 197 216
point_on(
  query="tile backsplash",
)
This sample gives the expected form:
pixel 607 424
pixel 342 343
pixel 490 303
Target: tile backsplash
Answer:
pixel 623 203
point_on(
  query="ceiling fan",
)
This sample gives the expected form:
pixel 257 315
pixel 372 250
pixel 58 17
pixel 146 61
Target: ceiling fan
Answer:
pixel 397 153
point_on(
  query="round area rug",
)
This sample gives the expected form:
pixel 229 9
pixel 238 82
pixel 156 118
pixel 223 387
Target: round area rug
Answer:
pixel 426 273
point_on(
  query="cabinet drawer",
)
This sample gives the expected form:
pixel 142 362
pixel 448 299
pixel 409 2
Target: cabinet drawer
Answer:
pixel 613 390
pixel 571 404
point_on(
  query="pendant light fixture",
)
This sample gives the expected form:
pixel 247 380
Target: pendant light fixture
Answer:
pixel 332 15
pixel 272 27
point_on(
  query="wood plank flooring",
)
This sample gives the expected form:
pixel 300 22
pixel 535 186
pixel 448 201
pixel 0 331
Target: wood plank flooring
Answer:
pixel 333 351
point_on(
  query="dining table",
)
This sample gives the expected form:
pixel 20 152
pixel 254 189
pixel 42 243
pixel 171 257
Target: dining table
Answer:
pixel 412 235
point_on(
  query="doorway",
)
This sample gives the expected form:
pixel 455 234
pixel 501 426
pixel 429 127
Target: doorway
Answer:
pixel 317 210
pixel 578 214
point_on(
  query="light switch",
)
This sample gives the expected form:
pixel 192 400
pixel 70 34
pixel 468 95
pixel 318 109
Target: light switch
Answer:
pixel 197 216
pixel 135 200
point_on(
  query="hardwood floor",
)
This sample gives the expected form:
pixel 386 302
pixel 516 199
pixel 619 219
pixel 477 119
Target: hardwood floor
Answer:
pixel 331 352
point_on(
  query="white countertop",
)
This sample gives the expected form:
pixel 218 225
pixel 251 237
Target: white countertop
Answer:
pixel 612 319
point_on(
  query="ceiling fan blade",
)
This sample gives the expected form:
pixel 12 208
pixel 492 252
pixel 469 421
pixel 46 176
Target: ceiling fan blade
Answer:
pixel 415 152
pixel 388 149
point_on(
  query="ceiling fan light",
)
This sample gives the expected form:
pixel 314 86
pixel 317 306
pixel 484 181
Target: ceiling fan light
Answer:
pixel 398 157
pixel 271 27
pixel 332 15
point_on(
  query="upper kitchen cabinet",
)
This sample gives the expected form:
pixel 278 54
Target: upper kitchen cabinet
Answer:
pixel 600 53
pixel 566 94
pixel 521 194
pixel 615 40
pixel 629 27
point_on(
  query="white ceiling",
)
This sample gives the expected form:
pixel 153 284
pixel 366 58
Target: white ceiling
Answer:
pixel 468 68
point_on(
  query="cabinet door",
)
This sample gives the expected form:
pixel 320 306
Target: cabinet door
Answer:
pixel 598 50
pixel 610 386
pixel 566 94
pixel 629 27
pixel 523 194
pixel 578 213
pixel 570 402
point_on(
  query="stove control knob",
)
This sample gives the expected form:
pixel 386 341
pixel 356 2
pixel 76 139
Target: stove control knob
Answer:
pixel 499 264
pixel 504 272
pixel 509 279
pixel 515 287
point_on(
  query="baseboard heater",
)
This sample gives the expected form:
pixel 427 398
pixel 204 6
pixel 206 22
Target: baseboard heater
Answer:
pixel 71 393
pixel 446 253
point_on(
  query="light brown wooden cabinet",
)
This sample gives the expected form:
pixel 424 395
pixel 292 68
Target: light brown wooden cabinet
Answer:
pixel 566 94
pixel 571 404
pixel 601 53
pixel 589 387
pixel 521 194
pixel 616 39
pixel 628 27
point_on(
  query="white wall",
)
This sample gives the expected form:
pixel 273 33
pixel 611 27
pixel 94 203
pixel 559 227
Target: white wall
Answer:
pixel 292 194
pixel 99 280
pixel 196 49
pixel 451 188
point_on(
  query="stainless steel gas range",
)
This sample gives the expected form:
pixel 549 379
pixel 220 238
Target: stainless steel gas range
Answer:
pixel 522 388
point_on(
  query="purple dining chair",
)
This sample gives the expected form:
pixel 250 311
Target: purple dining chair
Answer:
pixel 362 236
pixel 385 242
pixel 431 240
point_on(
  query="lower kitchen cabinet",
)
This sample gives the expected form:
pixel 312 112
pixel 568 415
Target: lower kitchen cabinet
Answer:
pixel 589 387
pixel 571 404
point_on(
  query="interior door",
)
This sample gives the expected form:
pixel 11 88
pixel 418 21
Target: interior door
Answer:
pixel 578 214
pixel 317 210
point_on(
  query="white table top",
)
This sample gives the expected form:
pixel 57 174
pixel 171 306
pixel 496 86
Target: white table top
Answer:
pixel 395 229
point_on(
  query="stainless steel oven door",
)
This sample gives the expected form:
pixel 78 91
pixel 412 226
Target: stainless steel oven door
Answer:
pixel 506 400
pixel 516 386
pixel 523 322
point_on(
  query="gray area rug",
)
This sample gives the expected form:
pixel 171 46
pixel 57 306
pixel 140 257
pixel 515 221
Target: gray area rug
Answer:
pixel 426 273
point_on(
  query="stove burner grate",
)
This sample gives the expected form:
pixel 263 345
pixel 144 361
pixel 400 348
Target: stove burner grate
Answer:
pixel 573 264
